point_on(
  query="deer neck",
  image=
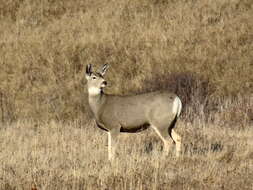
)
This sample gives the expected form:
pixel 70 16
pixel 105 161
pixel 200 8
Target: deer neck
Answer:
pixel 96 102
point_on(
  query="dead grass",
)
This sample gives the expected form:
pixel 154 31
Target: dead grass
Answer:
pixel 74 156
pixel 46 44
pixel 201 50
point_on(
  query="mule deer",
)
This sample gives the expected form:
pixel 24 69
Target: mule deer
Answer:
pixel 113 113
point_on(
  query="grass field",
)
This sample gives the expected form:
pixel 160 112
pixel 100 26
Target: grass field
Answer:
pixel 199 49
pixel 74 156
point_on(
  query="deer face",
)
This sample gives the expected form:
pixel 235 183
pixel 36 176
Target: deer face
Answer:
pixel 95 80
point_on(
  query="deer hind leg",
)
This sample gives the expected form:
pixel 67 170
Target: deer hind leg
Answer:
pixel 112 143
pixel 177 140
pixel 164 135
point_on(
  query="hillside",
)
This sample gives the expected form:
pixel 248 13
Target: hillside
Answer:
pixel 200 49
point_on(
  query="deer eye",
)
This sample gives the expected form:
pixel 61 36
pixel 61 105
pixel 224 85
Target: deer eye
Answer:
pixel 94 77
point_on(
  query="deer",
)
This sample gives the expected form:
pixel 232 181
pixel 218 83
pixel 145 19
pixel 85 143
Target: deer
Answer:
pixel 117 114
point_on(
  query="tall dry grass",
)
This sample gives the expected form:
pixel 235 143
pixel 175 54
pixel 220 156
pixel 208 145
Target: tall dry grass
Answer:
pixel 74 156
pixel 199 49
pixel 46 44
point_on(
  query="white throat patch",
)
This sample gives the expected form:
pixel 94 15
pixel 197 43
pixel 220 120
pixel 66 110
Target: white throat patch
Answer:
pixel 94 91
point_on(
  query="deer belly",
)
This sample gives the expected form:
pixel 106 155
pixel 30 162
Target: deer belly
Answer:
pixel 133 124
pixel 134 129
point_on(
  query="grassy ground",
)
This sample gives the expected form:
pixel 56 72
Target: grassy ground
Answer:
pixel 74 156
pixel 199 49
pixel 45 46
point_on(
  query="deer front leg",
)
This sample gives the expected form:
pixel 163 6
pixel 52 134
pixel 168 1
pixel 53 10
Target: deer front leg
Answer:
pixel 112 142
pixel 110 156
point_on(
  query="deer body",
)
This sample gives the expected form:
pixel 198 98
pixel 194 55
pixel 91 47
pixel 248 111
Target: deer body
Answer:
pixel 134 113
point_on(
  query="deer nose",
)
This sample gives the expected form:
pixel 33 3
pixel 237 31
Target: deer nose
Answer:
pixel 104 83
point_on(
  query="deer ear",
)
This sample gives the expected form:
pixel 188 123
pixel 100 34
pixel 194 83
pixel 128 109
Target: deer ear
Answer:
pixel 103 69
pixel 88 70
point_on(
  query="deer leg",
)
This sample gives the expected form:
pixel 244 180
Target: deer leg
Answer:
pixel 164 135
pixel 109 146
pixel 177 140
pixel 112 142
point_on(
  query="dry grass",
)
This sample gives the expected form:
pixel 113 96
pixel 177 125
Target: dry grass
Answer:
pixel 74 156
pixel 200 49
pixel 46 44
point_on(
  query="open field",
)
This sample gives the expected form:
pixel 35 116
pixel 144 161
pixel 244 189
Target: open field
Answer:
pixel 200 49
pixel 74 156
